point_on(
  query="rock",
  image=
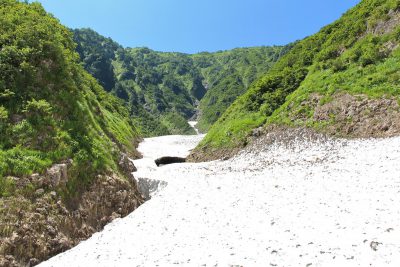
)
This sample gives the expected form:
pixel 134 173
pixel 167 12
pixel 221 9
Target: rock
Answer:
pixel 51 231
pixel 39 192
pixel 34 177
pixel 374 245
pixel 114 216
pixel 357 116
pixel 148 187
pixel 111 181
pixel 41 210
pixel 69 162
pixel 39 180
pixel 22 182
pixel 58 174
pixel 257 132
pixel 64 244
pixel 49 226
pixel 60 243
pixel 8 260
pixel 43 181
pixel 126 164
pixel 14 237
pixel 35 216
pixel 104 220
pixel 33 262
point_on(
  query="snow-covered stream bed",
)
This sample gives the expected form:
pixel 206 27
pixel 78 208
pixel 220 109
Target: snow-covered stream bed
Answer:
pixel 333 203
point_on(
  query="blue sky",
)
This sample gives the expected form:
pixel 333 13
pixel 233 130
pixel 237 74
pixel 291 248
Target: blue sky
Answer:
pixel 199 25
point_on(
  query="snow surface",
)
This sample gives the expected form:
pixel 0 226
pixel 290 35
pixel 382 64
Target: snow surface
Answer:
pixel 333 203
pixel 193 125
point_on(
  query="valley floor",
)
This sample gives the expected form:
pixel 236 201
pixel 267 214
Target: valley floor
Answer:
pixel 319 202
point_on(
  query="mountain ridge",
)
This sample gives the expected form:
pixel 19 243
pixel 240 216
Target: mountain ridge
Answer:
pixel 166 85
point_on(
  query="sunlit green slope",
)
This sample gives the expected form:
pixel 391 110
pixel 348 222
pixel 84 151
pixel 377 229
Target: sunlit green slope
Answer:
pixel 343 80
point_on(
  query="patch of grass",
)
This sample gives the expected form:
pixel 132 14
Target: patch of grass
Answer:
pixel 19 161
pixel 7 186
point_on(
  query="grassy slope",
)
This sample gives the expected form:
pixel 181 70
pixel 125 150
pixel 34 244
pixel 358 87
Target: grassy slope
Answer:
pixel 51 110
pixel 358 54
pixel 228 74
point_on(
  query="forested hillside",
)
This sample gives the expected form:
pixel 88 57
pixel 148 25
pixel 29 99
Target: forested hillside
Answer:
pixel 343 81
pixel 228 74
pixel 164 90
pixel 60 135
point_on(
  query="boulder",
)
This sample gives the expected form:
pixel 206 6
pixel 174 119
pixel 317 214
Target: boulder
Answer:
pixel 126 165
pixel 58 174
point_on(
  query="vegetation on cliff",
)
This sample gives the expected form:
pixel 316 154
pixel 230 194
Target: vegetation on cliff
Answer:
pixel 59 131
pixel 51 109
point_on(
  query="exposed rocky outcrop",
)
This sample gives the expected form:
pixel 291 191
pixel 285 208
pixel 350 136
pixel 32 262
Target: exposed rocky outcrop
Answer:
pixel 358 116
pixel 345 115
pixel 58 174
pixel 55 176
pixel 148 187
pixel 126 164
pixel 203 154
pixel 39 224
pixel 286 137
pixel 387 25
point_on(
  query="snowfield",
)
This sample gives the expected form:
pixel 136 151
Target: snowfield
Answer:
pixel 307 203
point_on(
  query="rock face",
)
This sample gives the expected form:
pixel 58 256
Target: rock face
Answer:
pixel 58 174
pixel 225 153
pixel 388 25
pixel 148 187
pixel 359 116
pixel 44 224
pixel 54 177
pixel 126 165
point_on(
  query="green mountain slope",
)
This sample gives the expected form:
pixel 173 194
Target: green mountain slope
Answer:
pixel 228 74
pixel 51 112
pixel 161 83
pixel 165 89
pixel 98 55
pixel 51 109
pixel 97 59
pixel 343 80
